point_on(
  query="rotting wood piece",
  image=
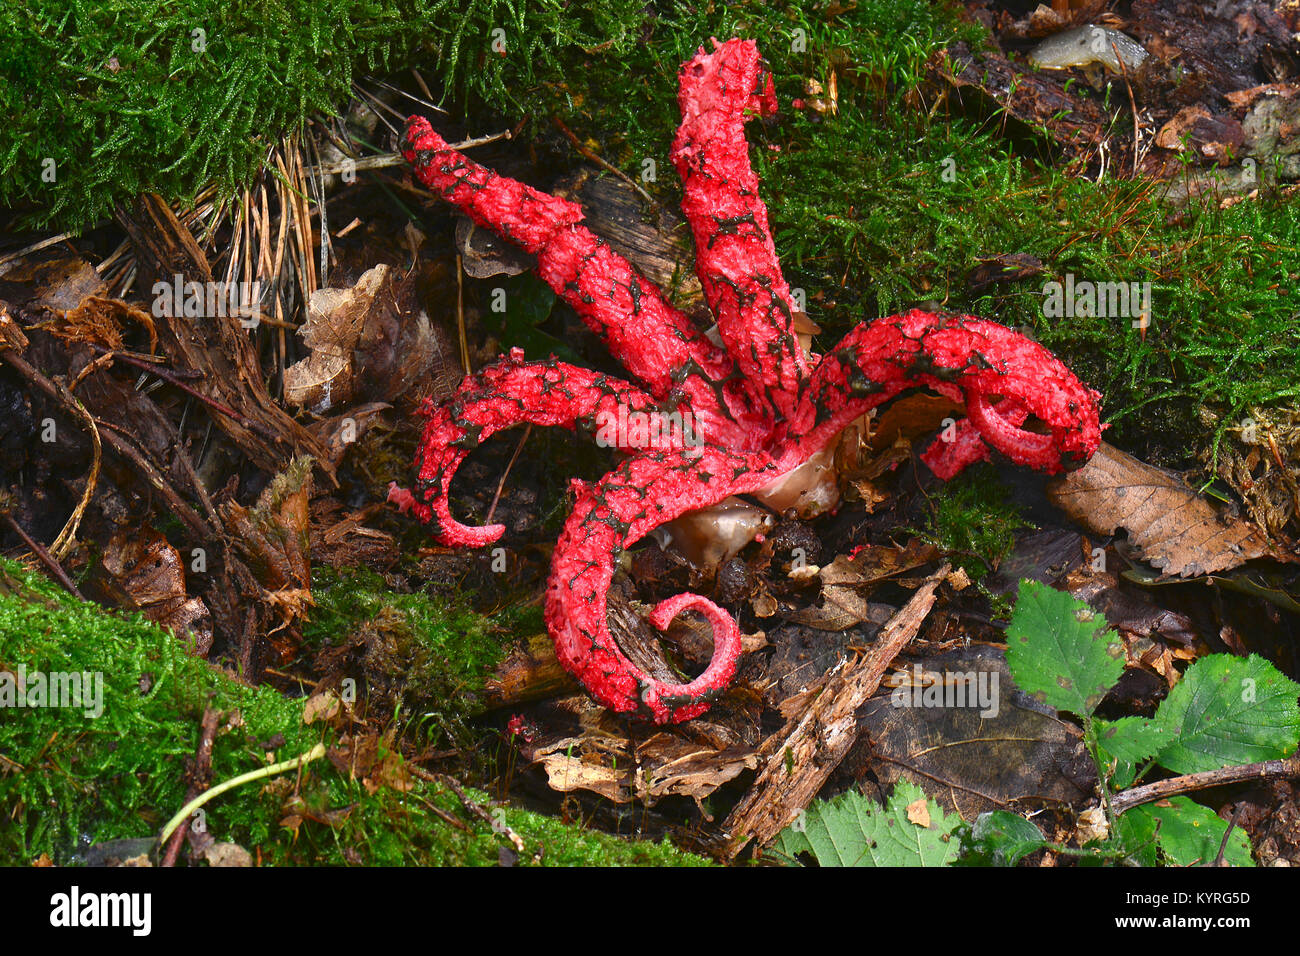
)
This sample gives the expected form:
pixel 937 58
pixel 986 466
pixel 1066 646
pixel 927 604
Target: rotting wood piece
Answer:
pixel 800 757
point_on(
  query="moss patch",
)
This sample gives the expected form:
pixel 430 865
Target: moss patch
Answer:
pixel 409 652
pixel 68 780
pixel 974 520
pixel 107 98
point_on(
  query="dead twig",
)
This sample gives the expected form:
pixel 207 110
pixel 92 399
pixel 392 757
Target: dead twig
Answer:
pixel 802 754
pixel 199 773
pixel 1188 782
pixel 492 509
pixel 174 378
pixel 60 395
pixel 497 823
pixel 1227 832
pixel 43 556
pixel 35 247
pixel 460 314
pixel 603 164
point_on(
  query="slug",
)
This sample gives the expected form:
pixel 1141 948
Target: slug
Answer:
pixel 1085 46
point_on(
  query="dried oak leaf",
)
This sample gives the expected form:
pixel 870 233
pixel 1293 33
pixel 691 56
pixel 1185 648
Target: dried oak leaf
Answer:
pixel 1177 531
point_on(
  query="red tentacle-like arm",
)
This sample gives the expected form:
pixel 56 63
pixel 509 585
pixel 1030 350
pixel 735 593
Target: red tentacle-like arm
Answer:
pixel 647 336
pixel 735 257
pixel 1003 377
pixel 611 515
pixel 511 392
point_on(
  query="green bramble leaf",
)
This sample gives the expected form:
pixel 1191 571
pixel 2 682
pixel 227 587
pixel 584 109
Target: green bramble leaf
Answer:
pixel 1227 711
pixel 1185 832
pixel 1001 838
pixel 852 830
pixel 1132 739
pixel 1059 650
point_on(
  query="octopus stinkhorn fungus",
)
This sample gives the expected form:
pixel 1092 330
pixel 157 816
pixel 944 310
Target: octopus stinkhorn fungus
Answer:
pixel 758 406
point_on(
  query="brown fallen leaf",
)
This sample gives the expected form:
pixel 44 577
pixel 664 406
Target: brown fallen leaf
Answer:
pixel 846 584
pixel 320 706
pixel 273 537
pixel 918 812
pixel 142 571
pixel 372 341
pixel 666 764
pixel 1177 531
pixel 956 725
pixel 910 416
pixel 797 759
pixel 55 284
pixel 1194 128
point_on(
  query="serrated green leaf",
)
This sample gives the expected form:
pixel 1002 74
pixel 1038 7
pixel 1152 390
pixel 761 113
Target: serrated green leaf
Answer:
pixel 1228 711
pixel 1123 774
pixel 1132 739
pixel 1137 833
pixel 852 830
pixel 1059 650
pixel 1002 838
pixel 1188 833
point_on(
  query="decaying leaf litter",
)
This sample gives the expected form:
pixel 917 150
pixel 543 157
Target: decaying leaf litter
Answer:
pixel 304 428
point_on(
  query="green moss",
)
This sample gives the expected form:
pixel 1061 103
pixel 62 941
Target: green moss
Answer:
pixel 973 521
pixel 424 658
pixel 461 643
pixel 68 780
pixel 393 829
pixel 113 97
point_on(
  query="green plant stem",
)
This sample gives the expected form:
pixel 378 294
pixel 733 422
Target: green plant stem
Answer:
pixel 184 812
pixel 1090 736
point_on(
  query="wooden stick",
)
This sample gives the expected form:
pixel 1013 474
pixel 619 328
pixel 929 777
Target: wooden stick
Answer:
pixel 1188 782
pixel 200 773
pixel 801 755
pixel 44 556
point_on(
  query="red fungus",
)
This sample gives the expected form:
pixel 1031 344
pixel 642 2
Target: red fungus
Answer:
pixel 758 405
